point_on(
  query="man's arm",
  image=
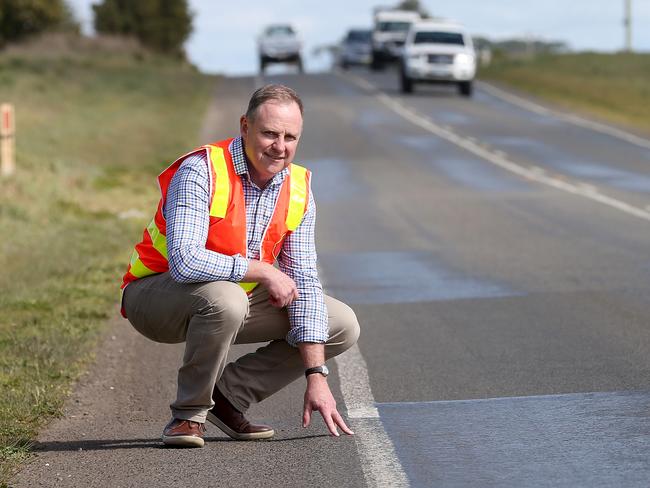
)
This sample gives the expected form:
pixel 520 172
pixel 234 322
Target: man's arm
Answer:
pixel 187 217
pixel 308 319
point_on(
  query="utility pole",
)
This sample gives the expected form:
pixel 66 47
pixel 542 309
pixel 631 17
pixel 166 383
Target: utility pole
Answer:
pixel 627 22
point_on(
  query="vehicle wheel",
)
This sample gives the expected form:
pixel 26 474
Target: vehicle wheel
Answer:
pixel 300 66
pixel 377 64
pixel 406 83
pixel 465 88
pixel 345 65
pixel 262 65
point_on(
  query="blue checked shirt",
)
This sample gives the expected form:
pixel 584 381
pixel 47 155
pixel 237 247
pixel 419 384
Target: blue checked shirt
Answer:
pixel 187 215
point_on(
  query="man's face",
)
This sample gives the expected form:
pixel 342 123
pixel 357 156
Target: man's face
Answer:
pixel 271 139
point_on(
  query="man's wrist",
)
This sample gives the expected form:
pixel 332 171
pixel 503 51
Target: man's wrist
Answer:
pixel 316 379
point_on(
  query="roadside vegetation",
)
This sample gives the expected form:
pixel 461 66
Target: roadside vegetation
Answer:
pixel 96 122
pixel 613 87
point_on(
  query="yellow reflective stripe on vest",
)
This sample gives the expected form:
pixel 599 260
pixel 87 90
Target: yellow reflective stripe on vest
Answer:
pixel 158 240
pixel 297 197
pixel 221 183
pixel 138 269
pixel 248 287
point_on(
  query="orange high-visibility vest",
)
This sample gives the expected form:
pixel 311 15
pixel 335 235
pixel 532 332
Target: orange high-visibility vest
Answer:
pixel 227 231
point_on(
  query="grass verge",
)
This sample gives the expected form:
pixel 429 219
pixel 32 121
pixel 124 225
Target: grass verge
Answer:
pixel 95 123
pixel 613 87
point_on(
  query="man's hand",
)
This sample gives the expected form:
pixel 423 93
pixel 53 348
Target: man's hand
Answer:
pixel 318 397
pixel 282 289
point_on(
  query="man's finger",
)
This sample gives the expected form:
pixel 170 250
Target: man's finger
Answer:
pixel 330 424
pixel 306 416
pixel 341 423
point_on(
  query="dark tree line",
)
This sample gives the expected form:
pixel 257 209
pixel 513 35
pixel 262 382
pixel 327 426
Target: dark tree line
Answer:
pixel 20 19
pixel 162 25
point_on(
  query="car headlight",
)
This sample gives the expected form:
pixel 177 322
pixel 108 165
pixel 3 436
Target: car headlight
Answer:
pixel 464 59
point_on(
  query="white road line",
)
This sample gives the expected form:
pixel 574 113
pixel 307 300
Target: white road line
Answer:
pixel 379 463
pixel 571 118
pixel 498 158
pixel 355 386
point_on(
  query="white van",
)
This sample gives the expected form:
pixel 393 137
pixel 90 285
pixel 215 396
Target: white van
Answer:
pixel 389 34
pixel 438 52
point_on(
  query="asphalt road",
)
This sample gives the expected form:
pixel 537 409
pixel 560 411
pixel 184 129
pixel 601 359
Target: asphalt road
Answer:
pixel 497 257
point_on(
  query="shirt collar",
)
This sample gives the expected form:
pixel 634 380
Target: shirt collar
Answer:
pixel 239 160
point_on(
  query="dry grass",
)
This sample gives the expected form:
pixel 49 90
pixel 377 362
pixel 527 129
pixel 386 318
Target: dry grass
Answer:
pixel 613 87
pixel 95 123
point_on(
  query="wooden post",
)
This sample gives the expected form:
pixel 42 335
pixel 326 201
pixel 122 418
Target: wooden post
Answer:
pixel 7 140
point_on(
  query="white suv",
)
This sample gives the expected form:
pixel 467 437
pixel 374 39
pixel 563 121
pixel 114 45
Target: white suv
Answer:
pixel 279 43
pixel 438 52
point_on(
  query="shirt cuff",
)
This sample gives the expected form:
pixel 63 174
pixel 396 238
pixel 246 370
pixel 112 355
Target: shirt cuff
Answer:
pixel 303 334
pixel 239 268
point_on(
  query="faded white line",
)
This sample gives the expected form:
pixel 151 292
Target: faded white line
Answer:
pixel 379 463
pixel 571 118
pixel 355 386
pixel 500 159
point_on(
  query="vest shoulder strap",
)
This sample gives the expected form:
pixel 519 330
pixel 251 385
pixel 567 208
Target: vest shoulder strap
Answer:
pixel 298 196
pixel 221 182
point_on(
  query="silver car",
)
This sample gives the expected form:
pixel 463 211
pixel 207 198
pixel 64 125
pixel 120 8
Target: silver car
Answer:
pixel 279 43
pixel 356 48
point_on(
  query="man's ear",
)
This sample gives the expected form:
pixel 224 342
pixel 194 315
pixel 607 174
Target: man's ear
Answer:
pixel 243 126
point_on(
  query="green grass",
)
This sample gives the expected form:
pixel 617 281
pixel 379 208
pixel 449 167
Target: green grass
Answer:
pixel 95 125
pixel 615 87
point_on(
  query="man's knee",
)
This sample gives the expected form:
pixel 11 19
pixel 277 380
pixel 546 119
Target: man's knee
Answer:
pixel 343 325
pixel 226 301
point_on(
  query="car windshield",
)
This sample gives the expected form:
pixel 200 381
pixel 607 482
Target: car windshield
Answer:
pixel 430 37
pixel 358 36
pixel 394 26
pixel 279 30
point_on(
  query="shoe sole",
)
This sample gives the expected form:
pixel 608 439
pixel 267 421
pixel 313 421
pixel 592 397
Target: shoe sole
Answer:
pixel 183 440
pixel 212 418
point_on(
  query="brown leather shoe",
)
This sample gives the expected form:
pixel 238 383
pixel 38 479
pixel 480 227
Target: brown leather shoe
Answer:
pixel 232 422
pixel 183 433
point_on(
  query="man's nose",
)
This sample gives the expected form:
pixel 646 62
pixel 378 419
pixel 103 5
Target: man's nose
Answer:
pixel 279 145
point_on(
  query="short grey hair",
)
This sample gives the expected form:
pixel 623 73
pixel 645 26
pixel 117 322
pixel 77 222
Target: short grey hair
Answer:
pixel 271 93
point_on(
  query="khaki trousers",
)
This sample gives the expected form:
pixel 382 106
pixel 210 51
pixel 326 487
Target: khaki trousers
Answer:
pixel 210 317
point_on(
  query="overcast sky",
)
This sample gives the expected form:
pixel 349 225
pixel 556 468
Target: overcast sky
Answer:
pixel 224 32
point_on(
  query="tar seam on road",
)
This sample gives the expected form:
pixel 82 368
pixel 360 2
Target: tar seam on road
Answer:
pixel 381 467
pixel 498 158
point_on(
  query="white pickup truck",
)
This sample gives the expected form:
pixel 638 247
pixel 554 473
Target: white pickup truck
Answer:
pixel 438 52
pixel 279 43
